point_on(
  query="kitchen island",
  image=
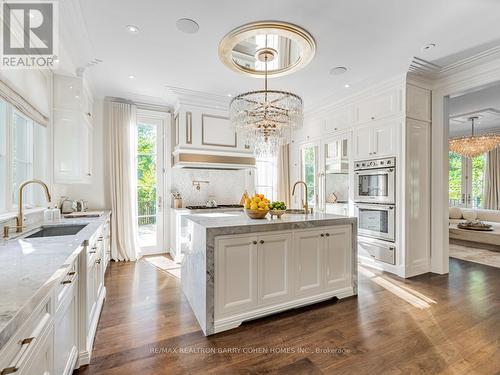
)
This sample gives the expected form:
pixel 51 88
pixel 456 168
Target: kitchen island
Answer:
pixel 235 268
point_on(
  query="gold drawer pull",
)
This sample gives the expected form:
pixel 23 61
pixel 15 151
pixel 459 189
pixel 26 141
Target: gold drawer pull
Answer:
pixel 66 282
pixel 98 261
pixel 27 340
pixel 71 273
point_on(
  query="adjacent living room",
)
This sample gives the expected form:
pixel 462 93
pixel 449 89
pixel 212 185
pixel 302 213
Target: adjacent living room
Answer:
pixel 474 176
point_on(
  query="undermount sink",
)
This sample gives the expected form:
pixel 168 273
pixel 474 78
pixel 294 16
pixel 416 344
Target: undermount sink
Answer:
pixel 57 230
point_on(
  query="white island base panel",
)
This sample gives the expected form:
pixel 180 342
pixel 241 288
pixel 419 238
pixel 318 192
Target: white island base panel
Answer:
pixel 235 321
pixel 236 269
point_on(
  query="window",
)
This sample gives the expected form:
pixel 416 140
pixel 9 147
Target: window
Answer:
pixel 466 180
pixel 309 166
pixel 23 156
pixel 266 177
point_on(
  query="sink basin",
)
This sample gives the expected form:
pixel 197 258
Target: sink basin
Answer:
pixel 297 211
pixel 53 231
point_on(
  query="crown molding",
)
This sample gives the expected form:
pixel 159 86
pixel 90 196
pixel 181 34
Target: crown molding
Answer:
pixel 195 98
pixel 325 106
pixel 420 68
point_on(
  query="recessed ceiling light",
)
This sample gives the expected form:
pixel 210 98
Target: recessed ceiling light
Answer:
pixel 429 46
pixel 187 25
pixel 338 70
pixel 230 95
pixel 347 85
pixel 132 29
pixel 131 76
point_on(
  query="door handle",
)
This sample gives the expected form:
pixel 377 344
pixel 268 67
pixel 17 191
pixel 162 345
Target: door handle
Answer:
pixel 261 242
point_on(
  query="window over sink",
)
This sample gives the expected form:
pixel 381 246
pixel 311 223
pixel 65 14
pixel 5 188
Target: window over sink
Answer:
pixel 23 156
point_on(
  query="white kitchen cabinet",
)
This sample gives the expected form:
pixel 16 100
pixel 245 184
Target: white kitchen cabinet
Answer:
pixel 274 268
pixel 338 258
pixel 308 255
pixel 236 275
pixel 262 273
pixel 66 328
pixel 380 106
pixel 73 131
pixel 376 140
pixel 341 118
pixel 42 363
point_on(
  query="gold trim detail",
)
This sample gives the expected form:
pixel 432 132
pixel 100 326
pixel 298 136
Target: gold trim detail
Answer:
pixel 214 159
pixel 203 115
pixel 305 41
pixel 189 128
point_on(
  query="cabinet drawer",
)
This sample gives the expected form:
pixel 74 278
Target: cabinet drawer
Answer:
pixel 17 353
pixel 66 283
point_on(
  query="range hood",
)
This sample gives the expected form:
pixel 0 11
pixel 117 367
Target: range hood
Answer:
pixel 198 159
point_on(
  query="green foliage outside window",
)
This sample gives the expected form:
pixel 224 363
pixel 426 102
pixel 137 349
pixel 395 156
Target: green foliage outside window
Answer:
pixel 309 165
pixel 146 173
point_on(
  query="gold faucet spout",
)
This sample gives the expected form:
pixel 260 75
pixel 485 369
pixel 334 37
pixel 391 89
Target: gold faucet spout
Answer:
pixel 305 205
pixel 20 215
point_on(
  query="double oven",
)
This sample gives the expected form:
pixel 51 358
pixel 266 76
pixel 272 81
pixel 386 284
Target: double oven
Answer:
pixel 375 203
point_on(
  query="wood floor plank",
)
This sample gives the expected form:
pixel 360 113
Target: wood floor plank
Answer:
pixel 147 327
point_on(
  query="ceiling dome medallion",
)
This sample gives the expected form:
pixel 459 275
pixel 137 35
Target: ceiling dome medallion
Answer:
pixel 294 46
pixel 266 117
pixel 474 145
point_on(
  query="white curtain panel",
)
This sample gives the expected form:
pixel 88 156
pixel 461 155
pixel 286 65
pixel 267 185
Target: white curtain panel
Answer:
pixel 492 180
pixel 283 177
pixel 121 125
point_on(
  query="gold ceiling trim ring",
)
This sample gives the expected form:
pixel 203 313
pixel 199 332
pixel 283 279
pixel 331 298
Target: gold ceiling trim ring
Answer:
pixel 305 42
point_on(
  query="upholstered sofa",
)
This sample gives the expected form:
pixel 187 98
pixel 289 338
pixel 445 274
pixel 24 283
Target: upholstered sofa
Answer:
pixel 487 240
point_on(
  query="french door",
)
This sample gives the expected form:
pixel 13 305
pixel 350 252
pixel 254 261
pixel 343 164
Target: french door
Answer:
pixel 150 156
pixel 466 181
pixel 309 166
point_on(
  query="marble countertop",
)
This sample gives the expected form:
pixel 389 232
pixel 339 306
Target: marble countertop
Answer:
pixel 30 266
pixel 236 220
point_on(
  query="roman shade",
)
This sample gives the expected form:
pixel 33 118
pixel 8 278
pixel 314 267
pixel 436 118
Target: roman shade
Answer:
pixel 21 104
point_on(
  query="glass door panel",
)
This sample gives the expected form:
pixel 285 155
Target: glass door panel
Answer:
pixel 477 166
pixel 149 184
pixel 456 193
pixel 309 172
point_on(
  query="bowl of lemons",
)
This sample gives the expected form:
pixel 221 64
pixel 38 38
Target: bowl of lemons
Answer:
pixel 257 207
pixel 277 209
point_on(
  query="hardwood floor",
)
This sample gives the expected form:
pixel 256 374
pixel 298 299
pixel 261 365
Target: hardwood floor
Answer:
pixel 431 324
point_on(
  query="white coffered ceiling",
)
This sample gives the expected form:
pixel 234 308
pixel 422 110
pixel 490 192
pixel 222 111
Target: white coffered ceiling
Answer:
pixel 375 40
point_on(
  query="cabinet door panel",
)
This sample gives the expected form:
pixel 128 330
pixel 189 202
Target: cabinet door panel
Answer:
pixel 308 261
pixel 362 143
pixel 67 158
pixel 380 106
pixel 42 362
pixel 274 256
pixel 65 333
pixel 337 257
pixel 235 274
pixel 384 139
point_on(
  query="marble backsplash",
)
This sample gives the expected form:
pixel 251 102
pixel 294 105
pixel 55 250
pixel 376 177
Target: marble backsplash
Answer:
pixel 226 186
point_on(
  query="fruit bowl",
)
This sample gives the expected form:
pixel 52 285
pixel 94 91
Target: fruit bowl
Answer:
pixel 256 214
pixel 277 213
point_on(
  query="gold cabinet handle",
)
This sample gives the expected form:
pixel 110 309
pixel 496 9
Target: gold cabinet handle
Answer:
pixel 71 273
pixel 66 282
pixel 98 261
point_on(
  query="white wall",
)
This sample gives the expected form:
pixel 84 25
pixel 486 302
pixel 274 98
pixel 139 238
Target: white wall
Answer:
pixel 97 192
pixel 227 186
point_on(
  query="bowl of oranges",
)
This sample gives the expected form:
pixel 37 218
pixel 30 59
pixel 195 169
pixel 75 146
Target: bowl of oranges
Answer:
pixel 257 207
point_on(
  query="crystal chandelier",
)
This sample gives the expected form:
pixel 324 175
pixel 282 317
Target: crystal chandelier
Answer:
pixel 474 145
pixel 266 118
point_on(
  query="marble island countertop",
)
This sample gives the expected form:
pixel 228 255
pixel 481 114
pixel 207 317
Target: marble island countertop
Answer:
pixel 30 266
pixel 239 222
